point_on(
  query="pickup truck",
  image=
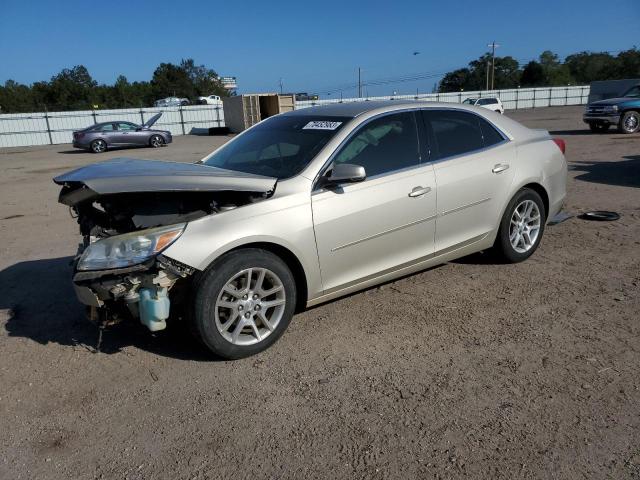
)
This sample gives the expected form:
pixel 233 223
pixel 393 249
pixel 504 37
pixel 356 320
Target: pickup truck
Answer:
pixel 624 112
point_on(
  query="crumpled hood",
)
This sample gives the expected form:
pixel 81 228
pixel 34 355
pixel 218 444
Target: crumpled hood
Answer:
pixel 126 175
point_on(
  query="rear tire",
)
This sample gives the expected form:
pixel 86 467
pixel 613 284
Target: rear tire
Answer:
pixel 629 122
pixel 156 141
pixel 599 127
pixel 521 227
pixel 233 312
pixel 98 146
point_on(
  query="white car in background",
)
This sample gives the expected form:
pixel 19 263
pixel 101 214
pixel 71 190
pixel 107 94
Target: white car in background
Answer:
pixel 491 103
pixel 209 100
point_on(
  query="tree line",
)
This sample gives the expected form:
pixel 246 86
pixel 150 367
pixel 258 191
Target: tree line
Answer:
pixel 75 89
pixel 548 71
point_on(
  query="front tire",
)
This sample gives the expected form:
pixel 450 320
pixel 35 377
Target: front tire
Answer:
pixel 243 303
pixel 629 122
pixel 521 227
pixel 156 141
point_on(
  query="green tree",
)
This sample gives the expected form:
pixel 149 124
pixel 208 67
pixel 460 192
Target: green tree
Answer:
pixel 586 67
pixel 73 89
pixel 532 75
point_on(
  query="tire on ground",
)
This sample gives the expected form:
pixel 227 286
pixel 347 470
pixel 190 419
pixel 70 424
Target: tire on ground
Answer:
pixel 502 246
pixel 208 287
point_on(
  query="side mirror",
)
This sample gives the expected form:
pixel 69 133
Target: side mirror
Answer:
pixel 346 173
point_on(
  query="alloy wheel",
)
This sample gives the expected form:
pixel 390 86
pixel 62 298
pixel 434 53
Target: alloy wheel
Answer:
pixel 156 141
pixel 99 146
pixel 250 306
pixel 631 123
pixel 524 227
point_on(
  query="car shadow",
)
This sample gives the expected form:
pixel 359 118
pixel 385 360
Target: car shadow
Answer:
pixel 623 173
pixel 40 303
pixel 73 152
pixel 575 132
pixel 110 149
pixel 484 257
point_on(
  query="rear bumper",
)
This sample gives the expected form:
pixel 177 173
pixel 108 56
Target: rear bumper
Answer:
pixel 608 119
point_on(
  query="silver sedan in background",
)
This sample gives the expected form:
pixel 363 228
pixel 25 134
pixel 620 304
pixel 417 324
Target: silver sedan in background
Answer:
pixel 101 136
pixel 305 207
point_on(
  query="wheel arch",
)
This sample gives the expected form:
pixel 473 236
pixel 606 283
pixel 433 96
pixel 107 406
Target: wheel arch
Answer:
pixel 536 187
pixel 540 190
pixel 291 260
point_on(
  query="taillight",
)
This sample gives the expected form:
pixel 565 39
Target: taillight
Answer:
pixel 78 134
pixel 561 145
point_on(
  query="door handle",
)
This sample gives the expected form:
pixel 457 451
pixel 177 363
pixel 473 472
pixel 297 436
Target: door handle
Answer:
pixel 500 167
pixel 419 191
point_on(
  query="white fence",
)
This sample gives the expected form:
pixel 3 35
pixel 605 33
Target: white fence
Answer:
pixel 511 99
pixel 48 128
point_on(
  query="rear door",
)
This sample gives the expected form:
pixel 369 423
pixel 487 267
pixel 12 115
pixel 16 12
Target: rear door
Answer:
pixel 473 170
pixel 107 132
pixel 366 229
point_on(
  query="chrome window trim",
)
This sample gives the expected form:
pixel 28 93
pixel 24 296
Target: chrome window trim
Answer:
pixel 505 137
pixel 323 169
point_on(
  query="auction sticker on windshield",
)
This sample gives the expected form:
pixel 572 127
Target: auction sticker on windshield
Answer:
pixel 321 125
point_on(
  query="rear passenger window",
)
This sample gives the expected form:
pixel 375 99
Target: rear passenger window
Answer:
pixel 455 132
pixel 383 145
pixel 490 135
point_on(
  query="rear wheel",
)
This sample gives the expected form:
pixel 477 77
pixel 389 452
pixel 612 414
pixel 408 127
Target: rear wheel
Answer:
pixel 629 122
pixel 98 146
pixel 243 303
pixel 599 127
pixel 156 141
pixel 521 227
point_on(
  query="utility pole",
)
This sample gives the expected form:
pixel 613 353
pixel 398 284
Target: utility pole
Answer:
pixel 493 46
pixel 359 82
pixel 280 85
pixel 488 62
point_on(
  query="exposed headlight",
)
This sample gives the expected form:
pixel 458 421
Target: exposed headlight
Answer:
pixel 129 249
pixel 611 108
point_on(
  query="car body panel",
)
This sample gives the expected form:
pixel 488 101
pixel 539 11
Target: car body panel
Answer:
pixel 470 195
pixel 356 225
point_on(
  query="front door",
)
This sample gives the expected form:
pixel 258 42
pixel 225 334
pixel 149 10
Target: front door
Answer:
pixel 125 133
pixel 366 229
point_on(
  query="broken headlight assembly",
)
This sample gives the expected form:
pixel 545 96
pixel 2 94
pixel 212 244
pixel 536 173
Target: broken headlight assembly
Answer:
pixel 120 251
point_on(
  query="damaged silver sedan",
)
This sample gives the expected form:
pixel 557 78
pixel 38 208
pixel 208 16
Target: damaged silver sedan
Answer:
pixel 305 207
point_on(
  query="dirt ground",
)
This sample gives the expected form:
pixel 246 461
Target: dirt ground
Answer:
pixel 467 370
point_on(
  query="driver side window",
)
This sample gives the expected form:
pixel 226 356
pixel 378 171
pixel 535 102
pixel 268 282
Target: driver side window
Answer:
pixel 384 145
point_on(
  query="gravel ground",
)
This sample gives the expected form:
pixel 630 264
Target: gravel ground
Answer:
pixel 467 370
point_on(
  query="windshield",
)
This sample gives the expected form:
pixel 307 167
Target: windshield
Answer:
pixel 278 147
pixel 470 101
pixel 634 92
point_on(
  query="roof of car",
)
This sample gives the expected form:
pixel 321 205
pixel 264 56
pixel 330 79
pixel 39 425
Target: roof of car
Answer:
pixel 353 109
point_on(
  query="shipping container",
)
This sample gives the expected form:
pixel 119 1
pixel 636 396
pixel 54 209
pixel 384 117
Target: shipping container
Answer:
pixel 243 111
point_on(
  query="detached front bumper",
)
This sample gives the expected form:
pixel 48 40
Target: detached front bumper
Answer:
pixel 605 119
pixel 140 291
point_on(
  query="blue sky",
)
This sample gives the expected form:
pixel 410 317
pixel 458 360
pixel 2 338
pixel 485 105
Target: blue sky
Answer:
pixel 313 46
